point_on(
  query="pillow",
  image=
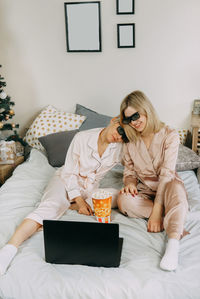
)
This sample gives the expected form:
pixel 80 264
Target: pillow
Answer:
pixel 56 146
pixel 182 134
pixel 51 120
pixel 93 118
pixel 187 159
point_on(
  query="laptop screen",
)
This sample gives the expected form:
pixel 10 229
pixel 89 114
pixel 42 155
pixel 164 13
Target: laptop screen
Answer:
pixel 88 243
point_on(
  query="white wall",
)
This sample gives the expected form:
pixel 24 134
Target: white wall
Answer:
pixel 165 63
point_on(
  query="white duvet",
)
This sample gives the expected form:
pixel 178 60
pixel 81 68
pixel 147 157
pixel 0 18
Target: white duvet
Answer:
pixel 139 275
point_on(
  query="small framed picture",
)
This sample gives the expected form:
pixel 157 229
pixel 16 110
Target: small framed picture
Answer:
pixel 83 26
pixel 125 7
pixel 126 35
pixel 196 106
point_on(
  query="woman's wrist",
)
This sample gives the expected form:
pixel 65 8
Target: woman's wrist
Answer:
pixel 130 185
pixel 157 209
pixel 130 180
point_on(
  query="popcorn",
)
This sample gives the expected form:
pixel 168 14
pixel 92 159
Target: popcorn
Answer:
pixel 101 194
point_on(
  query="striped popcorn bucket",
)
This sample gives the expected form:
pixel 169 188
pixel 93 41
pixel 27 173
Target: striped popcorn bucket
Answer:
pixel 102 205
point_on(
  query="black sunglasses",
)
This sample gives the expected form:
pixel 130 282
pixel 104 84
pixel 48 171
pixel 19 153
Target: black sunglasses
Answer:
pixel 127 120
pixel 121 132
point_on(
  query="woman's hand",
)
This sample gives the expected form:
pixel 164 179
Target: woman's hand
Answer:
pixel 130 188
pixel 155 222
pixel 83 206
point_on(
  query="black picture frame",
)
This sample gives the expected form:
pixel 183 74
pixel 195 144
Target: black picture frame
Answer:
pixel 125 7
pixel 126 35
pixel 83 30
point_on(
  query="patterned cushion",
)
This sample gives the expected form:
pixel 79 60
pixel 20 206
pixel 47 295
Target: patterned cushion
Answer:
pixel 182 134
pixel 49 121
pixel 187 159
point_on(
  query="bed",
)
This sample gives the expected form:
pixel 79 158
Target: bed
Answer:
pixel 139 275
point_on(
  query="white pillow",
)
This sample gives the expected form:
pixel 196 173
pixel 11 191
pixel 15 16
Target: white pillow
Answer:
pixel 49 121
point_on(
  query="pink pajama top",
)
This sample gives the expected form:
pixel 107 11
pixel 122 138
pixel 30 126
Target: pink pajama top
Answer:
pixel 152 168
pixel 84 168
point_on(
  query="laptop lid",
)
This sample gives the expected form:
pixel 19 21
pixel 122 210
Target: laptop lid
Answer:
pixel 85 243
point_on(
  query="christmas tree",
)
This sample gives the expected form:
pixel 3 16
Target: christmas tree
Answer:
pixel 7 113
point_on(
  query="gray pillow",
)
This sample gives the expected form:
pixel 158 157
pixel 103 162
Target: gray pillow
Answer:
pixel 187 159
pixel 56 146
pixel 93 120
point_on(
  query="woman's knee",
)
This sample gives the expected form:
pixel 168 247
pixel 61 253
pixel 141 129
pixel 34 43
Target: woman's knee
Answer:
pixel 175 192
pixel 137 206
pixel 122 203
pixel 130 206
pixel 175 186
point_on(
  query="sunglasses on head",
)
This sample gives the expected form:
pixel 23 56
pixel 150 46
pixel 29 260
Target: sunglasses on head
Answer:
pixel 121 132
pixel 133 117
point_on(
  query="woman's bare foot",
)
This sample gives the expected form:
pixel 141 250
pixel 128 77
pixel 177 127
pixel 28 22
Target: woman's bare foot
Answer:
pixel 74 206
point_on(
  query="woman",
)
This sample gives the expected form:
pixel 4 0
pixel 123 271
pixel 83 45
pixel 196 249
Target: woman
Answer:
pixel 152 188
pixel 91 154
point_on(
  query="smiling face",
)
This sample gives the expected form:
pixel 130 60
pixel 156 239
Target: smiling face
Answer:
pixel 139 124
pixel 138 116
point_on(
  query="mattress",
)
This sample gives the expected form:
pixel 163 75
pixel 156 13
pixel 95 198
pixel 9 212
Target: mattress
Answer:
pixel 139 275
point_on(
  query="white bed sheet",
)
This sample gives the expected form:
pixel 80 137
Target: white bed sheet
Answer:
pixel 139 275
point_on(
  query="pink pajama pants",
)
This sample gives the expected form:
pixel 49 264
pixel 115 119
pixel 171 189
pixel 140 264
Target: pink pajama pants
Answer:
pixel 55 201
pixel 175 206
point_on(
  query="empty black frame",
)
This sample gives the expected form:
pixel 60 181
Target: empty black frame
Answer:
pixel 76 21
pixel 129 7
pixel 126 35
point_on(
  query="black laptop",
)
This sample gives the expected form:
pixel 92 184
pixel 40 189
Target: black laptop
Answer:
pixel 85 243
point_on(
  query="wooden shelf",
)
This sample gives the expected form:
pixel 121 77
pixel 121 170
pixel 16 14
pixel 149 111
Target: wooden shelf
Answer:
pixel 6 170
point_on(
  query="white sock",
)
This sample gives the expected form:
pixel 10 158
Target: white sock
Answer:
pixel 169 261
pixel 7 253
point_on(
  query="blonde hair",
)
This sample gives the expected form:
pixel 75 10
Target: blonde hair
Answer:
pixel 139 101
